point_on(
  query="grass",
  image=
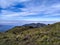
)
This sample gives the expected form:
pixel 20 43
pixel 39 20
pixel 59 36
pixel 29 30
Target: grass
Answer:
pixel 48 35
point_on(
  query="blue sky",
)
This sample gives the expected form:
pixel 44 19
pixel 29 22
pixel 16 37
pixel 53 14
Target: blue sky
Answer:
pixel 29 11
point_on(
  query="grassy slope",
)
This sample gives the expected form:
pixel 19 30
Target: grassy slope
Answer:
pixel 48 35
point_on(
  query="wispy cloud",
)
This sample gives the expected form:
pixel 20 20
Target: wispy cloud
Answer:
pixel 7 3
pixel 41 10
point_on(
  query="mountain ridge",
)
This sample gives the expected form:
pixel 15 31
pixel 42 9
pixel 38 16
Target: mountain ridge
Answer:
pixel 47 35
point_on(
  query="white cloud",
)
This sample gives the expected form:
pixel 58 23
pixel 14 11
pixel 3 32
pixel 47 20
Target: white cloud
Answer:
pixel 7 3
pixel 32 8
pixel 13 14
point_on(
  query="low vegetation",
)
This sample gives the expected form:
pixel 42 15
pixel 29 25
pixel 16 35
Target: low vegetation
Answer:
pixel 47 35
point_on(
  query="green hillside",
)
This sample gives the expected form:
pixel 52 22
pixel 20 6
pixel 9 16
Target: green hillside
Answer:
pixel 47 35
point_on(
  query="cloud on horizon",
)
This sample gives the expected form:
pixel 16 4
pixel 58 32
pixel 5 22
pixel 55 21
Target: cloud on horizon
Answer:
pixel 29 10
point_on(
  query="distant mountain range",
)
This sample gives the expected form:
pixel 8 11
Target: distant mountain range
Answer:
pixel 18 29
pixel 7 27
pixel 35 25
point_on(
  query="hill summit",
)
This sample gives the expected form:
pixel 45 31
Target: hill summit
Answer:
pixel 47 35
pixel 37 25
